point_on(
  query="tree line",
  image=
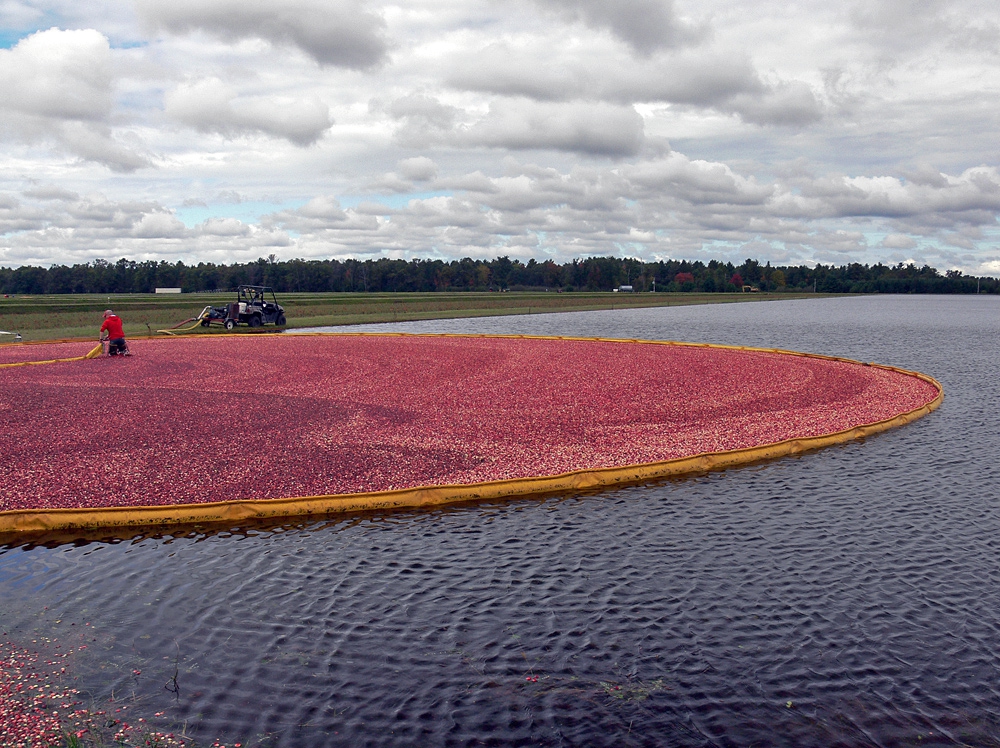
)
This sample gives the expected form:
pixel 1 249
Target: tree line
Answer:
pixel 500 274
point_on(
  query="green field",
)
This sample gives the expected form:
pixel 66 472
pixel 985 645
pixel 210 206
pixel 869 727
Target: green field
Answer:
pixel 78 316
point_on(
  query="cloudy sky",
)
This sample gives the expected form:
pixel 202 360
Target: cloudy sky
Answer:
pixel 227 130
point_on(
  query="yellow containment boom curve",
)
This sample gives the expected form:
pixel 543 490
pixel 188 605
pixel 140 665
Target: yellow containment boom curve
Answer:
pixel 197 321
pixel 240 510
pixel 92 353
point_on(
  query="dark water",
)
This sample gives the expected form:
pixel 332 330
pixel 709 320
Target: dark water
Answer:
pixel 845 597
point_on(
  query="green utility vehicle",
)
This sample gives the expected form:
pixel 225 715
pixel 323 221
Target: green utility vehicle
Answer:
pixel 254 306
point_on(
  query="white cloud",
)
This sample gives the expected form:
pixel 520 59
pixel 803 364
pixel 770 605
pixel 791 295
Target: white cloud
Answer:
pixel 50 192
pixel 812 131
pixel 899 26
pixel 325 208
pixel 706 78
pixel 599 129
pixel 210 105
pixel 425 120
pixel 418 168
pixel 973 196
pixel 899 241
pixel 788 103
pixel 18 15
pixel 227 227
pixel 98 143
pixel 669 206
pixel 521 124
pixel 646 25
pixel 62 75
pixel 700 182
pixel 159 226
pixel 57 87
pixel 333 32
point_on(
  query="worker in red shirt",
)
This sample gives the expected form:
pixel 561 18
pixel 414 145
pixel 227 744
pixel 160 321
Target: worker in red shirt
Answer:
pixel 115 334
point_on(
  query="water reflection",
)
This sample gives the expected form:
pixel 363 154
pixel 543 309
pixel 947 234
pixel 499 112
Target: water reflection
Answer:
pixel 847 596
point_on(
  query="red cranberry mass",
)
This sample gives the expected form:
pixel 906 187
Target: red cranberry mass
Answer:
pixel 212 418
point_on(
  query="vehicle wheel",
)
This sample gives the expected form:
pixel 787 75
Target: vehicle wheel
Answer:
pixel 230 324
pixel 280 321
pixel 205 323
pixel 255 321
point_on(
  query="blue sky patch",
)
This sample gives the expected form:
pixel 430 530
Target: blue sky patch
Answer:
pixel 9 37
pixel 247 212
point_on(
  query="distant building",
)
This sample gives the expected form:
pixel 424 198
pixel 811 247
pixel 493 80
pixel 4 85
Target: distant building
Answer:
pixel 168 290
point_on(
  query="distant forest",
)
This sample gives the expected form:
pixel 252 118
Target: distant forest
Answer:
pixel 501 274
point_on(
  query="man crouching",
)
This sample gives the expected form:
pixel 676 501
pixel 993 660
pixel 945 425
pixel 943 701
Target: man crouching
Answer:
pixel 115 334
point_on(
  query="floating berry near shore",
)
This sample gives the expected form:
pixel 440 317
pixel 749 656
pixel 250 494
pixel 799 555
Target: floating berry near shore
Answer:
pixel 26 700
pixel 187 421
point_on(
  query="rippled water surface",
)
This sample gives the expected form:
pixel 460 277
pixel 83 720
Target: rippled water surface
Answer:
pixel 849 596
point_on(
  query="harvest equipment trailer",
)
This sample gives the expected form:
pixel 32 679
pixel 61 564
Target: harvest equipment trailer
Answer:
pixel 254 306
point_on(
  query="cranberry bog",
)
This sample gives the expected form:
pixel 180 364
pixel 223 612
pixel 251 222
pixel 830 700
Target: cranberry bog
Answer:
pixel 229 428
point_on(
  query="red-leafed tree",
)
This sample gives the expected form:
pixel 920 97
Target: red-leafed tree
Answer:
pixel 682 278
pixel 737 280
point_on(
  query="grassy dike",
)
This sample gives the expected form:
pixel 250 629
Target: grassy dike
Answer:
pixel 79 316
